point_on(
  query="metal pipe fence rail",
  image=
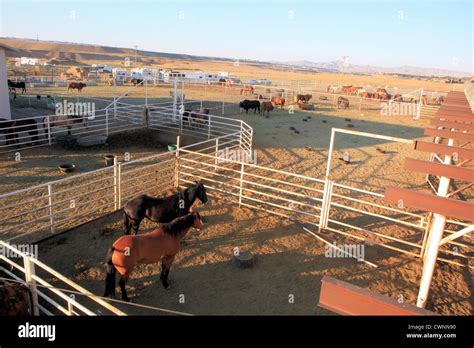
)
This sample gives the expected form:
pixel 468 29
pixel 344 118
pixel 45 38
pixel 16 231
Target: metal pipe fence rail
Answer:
pixel 45 209
pixel 50 300
pixel 161 116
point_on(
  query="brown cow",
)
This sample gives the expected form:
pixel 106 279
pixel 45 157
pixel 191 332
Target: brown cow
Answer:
pixel 347 89
pixel 398 98
pixel 354 90
pixel 266 106
pixel 381 93
pixel 247 90
pixel 279 101
pixel 76 85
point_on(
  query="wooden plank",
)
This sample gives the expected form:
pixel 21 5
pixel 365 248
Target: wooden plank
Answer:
pixel 440 169
pixel 427 202
pixel 449 134
pixel 456 106
pixel 454 117
pixel 440 149
pixel 455 112
pixel 347 299
pixel 450 124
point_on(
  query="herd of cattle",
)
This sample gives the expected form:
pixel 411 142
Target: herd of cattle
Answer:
pixel 382 94
pixel 302 100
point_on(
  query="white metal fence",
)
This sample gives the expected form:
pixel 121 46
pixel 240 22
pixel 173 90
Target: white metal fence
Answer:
pixel 356 213
pixel 48 298
pixel 63 204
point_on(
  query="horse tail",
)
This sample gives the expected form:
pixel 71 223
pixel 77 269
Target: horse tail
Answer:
pixel 110 278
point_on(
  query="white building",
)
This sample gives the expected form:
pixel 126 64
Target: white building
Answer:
pixel 28 61
pixel 200 76
pixel 142 73
pixel 120 75
pixel 4 96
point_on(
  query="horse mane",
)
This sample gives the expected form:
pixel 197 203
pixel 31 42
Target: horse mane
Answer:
pixel 175 227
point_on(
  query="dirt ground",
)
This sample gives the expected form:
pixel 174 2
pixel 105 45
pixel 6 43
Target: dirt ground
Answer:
pixel 39 165
pixel 289 266
pixel 288 260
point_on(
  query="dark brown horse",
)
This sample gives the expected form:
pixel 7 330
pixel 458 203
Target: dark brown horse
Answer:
pixel 15 299
pixel 11 129
pixel 161 210
pixel 161 244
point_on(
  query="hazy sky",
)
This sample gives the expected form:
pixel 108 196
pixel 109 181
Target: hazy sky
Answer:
pixel 388 33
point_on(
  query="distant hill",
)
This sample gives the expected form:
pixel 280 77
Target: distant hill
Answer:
pixel 82 53
pixel 336 66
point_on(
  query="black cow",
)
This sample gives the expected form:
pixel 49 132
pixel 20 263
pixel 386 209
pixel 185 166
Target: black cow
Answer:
pixel 21 85
pixel 250 104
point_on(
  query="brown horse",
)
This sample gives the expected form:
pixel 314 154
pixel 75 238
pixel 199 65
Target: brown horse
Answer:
pixel 278 101
pixel 161 244
pixel 247 90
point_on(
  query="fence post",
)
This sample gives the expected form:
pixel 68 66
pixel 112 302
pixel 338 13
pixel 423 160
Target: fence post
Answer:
pixel 241 181
pixel 216 160
pixel 176 167
pixel 50 206
pixel 209 126
pixel 49 130
pixel 146 93
pixel 325 205
pixel 29 273
pixel 223 102
pixel 240 134
pixel 116 185
pixel 107 122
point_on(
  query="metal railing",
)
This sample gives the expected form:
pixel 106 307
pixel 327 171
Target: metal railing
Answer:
pixel 48 208
pixel 48 300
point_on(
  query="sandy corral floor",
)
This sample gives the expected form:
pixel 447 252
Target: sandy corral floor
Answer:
pixel 289 261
